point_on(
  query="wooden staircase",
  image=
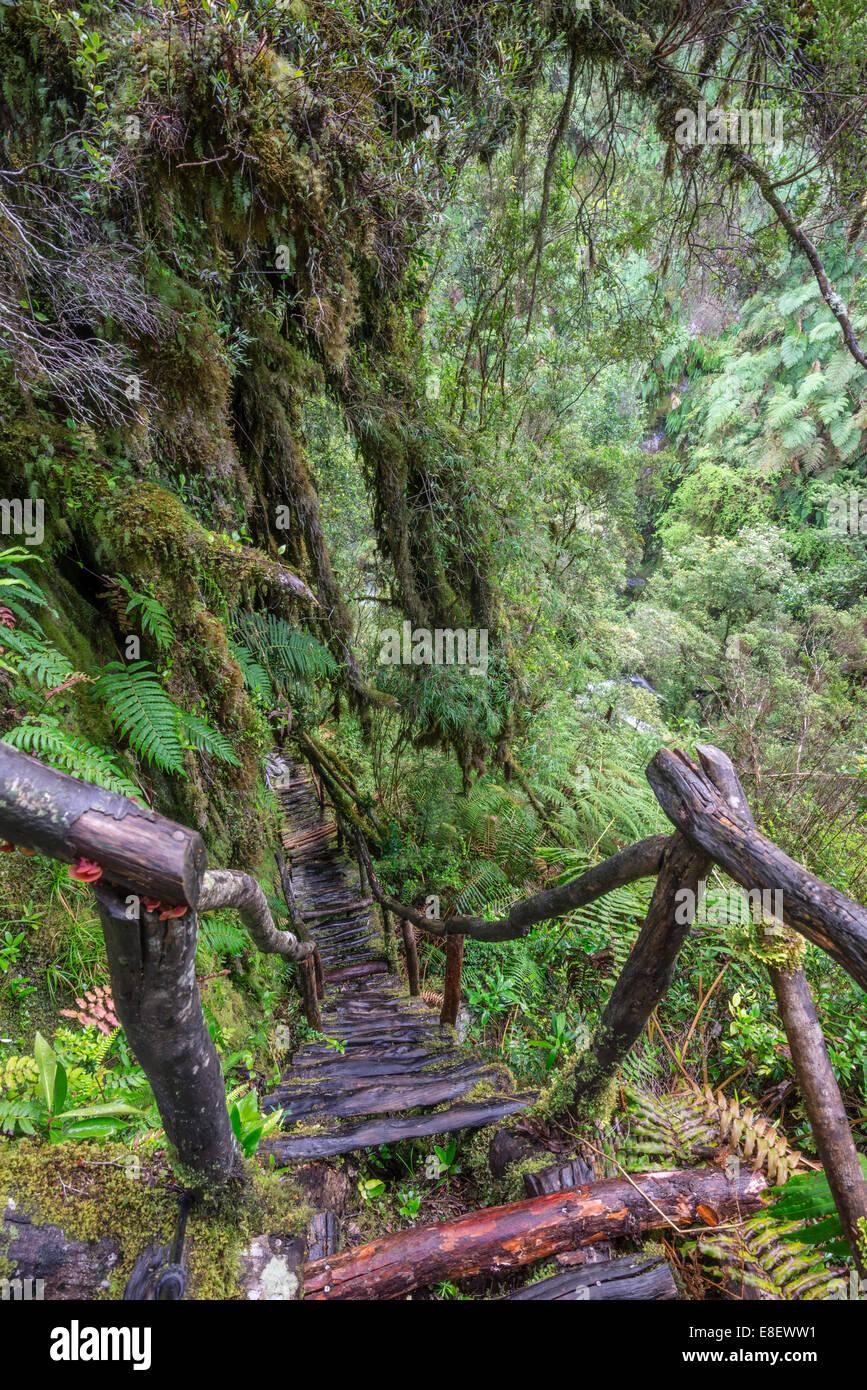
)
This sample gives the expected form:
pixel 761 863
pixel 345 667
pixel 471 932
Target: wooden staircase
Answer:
pixel 386 1071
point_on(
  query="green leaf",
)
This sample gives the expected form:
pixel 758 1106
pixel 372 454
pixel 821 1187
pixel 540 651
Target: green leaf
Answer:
pixel 46 1062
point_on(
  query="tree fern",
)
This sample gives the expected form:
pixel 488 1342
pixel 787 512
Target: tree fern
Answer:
pixel 44 737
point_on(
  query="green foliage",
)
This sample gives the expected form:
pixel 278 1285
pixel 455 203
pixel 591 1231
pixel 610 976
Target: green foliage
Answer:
pixel 806 1202
pixel 249 1125
pixel 760 1254
pixel 151 613
pixel 44 736
pixel 140 710
pixel 41 1107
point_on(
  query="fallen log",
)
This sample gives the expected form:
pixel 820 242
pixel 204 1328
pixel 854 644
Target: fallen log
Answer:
pixel 700 811
pixel 502 1238
pixel 66 819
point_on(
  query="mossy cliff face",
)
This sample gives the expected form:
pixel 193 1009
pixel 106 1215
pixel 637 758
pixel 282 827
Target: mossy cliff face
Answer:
pixel 232 217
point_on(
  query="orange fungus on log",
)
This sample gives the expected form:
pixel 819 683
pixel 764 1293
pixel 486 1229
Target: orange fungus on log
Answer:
pixel 86 871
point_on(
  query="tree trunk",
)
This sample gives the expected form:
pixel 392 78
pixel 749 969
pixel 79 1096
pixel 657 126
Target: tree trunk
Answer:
pixel 156 997
pixel 503 1238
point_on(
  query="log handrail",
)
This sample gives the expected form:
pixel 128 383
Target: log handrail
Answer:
pixel 822 914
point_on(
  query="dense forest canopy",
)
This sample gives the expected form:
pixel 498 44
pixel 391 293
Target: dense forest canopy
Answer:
pixel 330 328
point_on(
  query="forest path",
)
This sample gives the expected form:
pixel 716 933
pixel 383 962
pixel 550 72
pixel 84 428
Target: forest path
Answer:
pixel 392 1064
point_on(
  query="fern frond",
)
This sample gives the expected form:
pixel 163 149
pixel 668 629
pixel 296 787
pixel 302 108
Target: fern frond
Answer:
pixel 256 677
pixel 139 708
pixel 208 740
pixel 758 1255
pixel 152 614
pixel 44 737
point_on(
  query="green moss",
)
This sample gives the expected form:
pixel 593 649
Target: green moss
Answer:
pixel 109 1204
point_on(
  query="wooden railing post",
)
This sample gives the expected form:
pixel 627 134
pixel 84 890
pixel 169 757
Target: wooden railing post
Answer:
pixel 452 989
pixel 409 946
pixel 812 1065
pixel 156 997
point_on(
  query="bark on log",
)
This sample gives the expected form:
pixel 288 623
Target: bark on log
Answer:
pixel 819 912
pixel 645 977
pixel 812 1065
pixel 452 988
pixel 502 1238
pixel 231 888
pixel 67 819
pixel 156 997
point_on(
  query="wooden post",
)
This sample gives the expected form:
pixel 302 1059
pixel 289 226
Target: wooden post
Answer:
pixel 452 988
pixel 644 979
pixel 319 973
pixel 66 819
pixel 812 1065
pixel 389 941
pixel 310 993
pixel 409 946
pixel 156 997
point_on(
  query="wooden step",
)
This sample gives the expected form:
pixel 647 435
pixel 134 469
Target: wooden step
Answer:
pixel 629 1279
pixel 341 1139
pixel 354 972
pixel 388 1096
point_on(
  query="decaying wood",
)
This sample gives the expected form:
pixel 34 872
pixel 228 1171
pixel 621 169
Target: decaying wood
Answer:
pixel 67 819
pixel 156 998
pixel 502 1238
pixel 816 1079
pixel 231 888
pixel 634 1278
pixel 700 811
